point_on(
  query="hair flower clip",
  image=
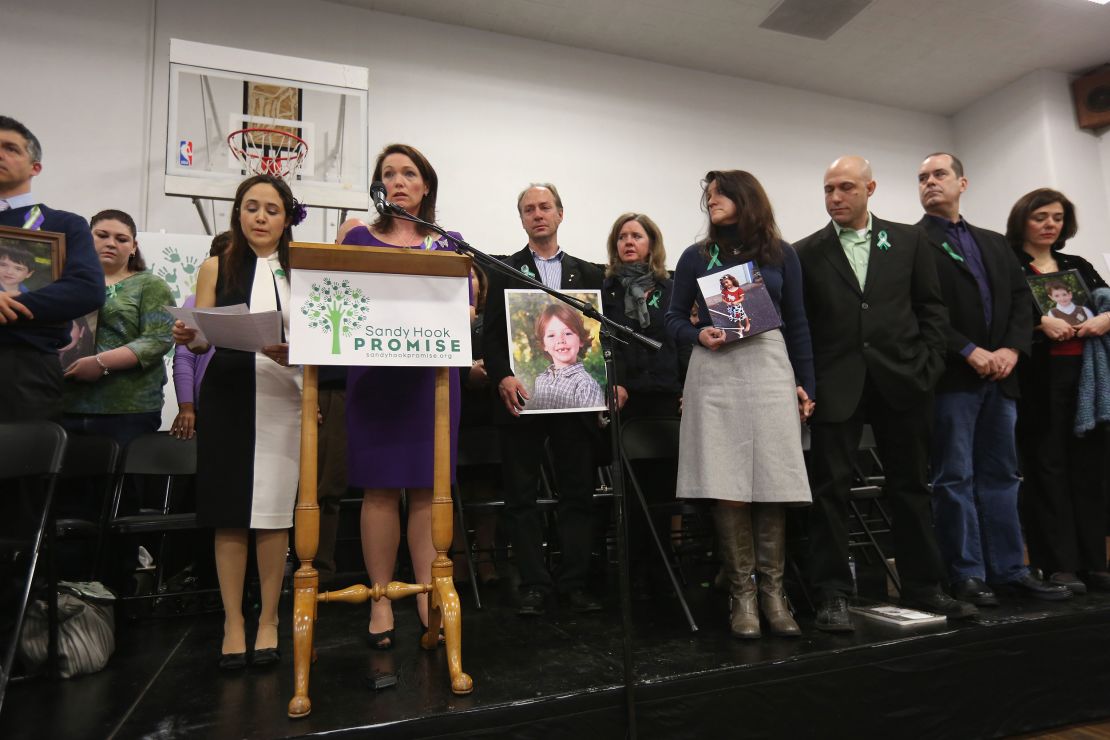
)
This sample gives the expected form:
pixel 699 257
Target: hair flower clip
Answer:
pixel 300 213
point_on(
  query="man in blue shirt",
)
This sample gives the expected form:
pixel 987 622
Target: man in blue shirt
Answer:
pixel 974 465
pixel 34 325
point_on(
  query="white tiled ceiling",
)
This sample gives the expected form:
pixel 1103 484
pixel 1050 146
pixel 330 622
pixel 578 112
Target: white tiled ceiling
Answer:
pixel 928 55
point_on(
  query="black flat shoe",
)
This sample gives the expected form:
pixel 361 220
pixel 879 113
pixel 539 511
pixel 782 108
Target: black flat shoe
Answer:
pixel 974 591
pixel 833 616
pixel 265 657
pixel 1027 585
pixel 380 640
pixel 936 601
pixel 232 661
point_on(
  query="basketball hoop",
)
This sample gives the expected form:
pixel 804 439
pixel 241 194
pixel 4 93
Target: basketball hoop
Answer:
pixel 268 151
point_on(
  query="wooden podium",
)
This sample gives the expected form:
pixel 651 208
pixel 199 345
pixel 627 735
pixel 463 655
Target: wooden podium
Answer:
pixel 443 600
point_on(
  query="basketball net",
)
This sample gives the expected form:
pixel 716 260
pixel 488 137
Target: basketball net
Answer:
pixel 268 151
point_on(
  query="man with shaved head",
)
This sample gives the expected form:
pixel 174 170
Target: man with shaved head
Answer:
pixel 878 323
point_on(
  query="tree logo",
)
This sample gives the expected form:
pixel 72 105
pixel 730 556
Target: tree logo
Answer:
pixel 336 307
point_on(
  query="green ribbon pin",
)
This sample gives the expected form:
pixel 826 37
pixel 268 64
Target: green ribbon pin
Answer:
pixel 279 272
pixel 951 252
pixel 714 257
pixel 654 302
pixel 883 242
pixel 528 271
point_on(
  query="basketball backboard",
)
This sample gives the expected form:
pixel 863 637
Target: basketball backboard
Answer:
pixel 217 90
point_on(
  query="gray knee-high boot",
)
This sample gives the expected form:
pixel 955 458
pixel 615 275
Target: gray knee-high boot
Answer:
pixel 769 523
pixel 737 552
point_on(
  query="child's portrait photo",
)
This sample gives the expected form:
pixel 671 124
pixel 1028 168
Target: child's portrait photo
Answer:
pixel 1062 295
pixel 29 260
pixel 555 351
pixel 738 301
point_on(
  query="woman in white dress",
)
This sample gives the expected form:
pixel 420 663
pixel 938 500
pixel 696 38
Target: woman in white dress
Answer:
pixel 248 439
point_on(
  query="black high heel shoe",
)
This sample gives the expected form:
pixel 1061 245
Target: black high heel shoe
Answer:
pixel 380 640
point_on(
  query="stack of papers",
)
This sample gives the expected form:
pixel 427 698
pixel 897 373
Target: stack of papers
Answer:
pixel 232 327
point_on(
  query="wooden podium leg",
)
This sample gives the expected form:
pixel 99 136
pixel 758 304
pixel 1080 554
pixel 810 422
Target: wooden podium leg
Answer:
pixel 443 606
pixel 306 583
pixel 306 580
pixel 447 603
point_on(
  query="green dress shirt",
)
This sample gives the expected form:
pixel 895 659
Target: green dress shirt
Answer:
pixel 857 248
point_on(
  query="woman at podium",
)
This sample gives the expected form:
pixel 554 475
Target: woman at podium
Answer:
pixel 391 410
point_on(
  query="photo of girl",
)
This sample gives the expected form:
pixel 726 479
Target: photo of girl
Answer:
pixel 733 296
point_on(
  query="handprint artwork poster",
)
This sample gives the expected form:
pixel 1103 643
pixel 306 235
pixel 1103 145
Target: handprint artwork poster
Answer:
pixel 176 258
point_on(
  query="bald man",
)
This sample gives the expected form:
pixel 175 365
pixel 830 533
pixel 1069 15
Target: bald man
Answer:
pixel 878 325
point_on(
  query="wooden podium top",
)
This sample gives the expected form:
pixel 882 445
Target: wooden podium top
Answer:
pixel 389 260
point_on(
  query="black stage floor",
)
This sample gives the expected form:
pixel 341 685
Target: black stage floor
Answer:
pixel 1023 666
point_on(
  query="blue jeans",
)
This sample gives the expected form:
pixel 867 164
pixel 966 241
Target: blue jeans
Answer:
pixel 975 485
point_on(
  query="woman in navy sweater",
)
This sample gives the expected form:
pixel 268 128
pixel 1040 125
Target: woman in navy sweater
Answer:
pixel 743 402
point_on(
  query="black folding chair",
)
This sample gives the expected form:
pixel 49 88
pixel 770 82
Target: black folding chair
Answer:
pixel 90 463
pixel 157 456
pixel 649 447
pixel 478 446
pixel 866 506
pixel 31 459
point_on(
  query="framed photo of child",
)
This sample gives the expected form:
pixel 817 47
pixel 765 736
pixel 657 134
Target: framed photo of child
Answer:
pixel 738 301
pixel 556 351
pixel 1062 295
pixel 29 259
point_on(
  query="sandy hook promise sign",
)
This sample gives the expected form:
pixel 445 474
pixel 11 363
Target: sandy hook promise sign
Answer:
pixel 358 318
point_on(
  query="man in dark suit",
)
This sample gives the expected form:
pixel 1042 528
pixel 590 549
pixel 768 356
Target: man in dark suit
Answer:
pixel 974 453
pixel 35 324
pixel 522 438
pixel 878 326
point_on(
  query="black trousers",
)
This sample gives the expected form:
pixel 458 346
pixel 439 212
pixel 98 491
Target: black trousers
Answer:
pixel 30 384
pixel 1063 499
pixel 902 436
pixel 522 450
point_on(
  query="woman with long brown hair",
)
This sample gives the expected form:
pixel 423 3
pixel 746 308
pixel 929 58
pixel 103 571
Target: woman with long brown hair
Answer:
pixel 248 439
pixel 743 402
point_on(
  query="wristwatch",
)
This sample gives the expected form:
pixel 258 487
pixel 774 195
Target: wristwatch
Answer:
pixel 103 368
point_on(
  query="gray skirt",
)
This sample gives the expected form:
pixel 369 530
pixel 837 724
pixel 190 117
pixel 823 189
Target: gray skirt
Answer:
pixel 740 437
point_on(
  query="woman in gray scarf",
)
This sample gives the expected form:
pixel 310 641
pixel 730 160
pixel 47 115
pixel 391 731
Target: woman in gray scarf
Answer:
pixel 637 293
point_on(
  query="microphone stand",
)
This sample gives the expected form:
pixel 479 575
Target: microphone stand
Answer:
pixel 611 331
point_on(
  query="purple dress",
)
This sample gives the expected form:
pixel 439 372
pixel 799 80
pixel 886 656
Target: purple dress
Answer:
pixel 391 413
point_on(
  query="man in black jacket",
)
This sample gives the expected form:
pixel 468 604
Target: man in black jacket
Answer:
pixel 974 463
pixel 878 322
pixel 522 438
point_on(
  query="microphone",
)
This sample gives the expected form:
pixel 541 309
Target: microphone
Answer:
pixel 377 195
